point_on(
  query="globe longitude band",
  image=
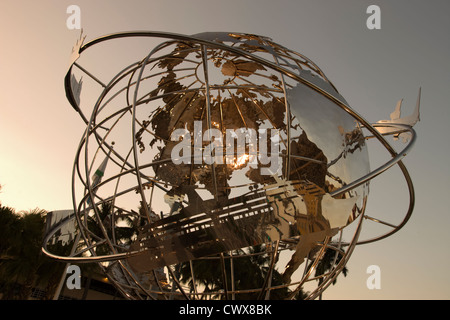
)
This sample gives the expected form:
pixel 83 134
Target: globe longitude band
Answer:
pixel 219 211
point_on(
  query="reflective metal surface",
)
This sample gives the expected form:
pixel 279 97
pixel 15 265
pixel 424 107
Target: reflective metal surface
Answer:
pixel 217 143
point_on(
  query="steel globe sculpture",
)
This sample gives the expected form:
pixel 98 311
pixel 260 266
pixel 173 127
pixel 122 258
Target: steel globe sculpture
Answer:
pixel 219 166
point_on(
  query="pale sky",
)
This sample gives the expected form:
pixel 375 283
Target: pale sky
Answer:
pixel 372 69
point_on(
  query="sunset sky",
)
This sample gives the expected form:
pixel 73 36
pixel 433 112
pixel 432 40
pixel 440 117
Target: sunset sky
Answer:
pixel 372 69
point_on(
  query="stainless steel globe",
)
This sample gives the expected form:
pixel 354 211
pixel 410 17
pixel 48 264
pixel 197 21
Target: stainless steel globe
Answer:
pixel 216 158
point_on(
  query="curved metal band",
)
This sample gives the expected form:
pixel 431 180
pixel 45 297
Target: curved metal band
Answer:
pixel 397 160
pixel 104 258
pixel 398 157
pixel 180 37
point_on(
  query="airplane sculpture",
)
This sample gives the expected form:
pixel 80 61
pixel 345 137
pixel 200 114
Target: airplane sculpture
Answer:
pixel 395 118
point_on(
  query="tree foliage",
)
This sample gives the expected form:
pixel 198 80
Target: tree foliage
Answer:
pixel 22 263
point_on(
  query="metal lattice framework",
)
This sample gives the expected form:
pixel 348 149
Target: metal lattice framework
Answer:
pixel 259 87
